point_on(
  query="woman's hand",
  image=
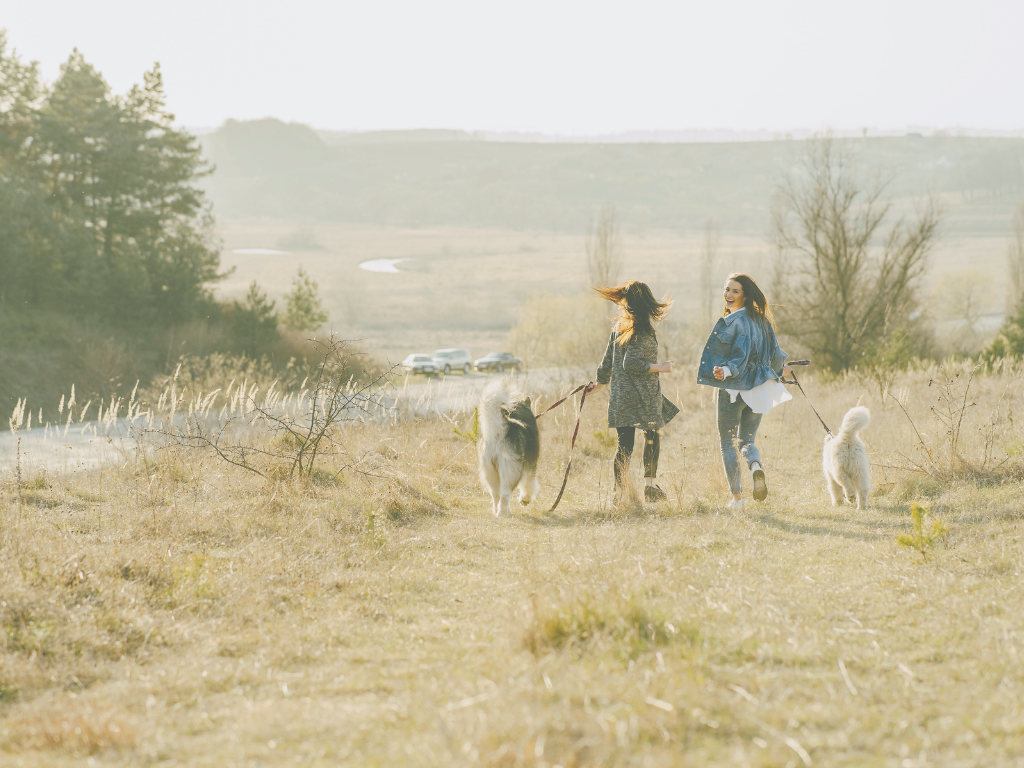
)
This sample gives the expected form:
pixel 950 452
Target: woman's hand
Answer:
pixel 719 373
pixel 787 371
pixel 594 388
pixel 665 367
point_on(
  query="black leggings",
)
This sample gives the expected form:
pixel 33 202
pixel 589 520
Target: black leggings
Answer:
pixel 652 448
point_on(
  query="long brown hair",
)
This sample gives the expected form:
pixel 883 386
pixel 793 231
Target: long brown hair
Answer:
pixel 638 309
pixel 755 301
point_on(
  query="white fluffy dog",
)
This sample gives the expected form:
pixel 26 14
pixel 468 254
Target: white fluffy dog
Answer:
pixel 509 444
pixel 845 460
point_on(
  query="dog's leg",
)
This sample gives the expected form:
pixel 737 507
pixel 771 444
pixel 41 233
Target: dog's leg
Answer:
pixel 835 490
pixel 511 472
pixel 490 475
pixel 863 491
pixel 848 486
pixel 528 488
pixel 863 481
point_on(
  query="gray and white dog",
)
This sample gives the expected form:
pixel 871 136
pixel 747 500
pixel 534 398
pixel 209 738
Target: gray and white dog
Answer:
pixel 845 460
pixel 509 444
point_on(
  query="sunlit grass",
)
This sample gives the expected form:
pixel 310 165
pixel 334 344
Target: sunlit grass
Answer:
pixel 167 606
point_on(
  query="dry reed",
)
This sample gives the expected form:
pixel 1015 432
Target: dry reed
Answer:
pixel 167 606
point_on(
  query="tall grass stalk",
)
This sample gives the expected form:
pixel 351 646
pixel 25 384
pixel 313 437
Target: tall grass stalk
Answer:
pixel 223 617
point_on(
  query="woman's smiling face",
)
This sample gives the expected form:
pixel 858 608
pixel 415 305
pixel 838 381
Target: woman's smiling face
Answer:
pixel 734 298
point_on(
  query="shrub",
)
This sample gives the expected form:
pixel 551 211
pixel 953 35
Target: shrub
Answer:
pixel 579 620
pixel 304 310
pixel 919 539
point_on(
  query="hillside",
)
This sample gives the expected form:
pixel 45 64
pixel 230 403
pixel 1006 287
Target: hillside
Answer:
pixel 269 169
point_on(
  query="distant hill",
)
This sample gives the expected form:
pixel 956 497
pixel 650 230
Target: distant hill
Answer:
pixel 425 178
pixel 264 148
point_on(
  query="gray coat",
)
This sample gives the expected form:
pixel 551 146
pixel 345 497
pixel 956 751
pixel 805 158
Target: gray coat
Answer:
pixel 634 397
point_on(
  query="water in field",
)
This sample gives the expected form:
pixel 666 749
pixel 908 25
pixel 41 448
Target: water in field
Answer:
pixel 381 265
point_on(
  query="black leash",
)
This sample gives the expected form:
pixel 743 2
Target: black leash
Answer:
pixel 585 388
pixel 797 382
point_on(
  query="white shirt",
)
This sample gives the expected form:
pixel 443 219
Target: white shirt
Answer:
pixel 763 397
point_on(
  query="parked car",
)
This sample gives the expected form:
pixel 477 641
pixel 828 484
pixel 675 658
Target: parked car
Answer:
pixel 499 361
pixel 420 364
pixel 449 360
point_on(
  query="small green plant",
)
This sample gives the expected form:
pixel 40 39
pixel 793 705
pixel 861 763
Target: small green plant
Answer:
pixel 920 540
pixel 473 433
pixel 373 535
pixel 632 625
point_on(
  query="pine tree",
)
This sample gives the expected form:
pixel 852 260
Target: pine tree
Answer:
pixel 99 212
pixel 304 309
pixel 254 323
pixel 1010 341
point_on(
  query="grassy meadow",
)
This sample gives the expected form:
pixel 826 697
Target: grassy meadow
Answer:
pixel 464 286
pixel 169 608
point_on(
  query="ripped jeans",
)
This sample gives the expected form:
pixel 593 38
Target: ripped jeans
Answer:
pixel 737 428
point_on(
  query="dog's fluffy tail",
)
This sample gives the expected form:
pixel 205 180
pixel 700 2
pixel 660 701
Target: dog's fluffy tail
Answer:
pixel 498 398
pixel 855 420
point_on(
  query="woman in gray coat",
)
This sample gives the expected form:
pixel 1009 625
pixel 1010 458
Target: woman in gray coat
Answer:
pixel 630 367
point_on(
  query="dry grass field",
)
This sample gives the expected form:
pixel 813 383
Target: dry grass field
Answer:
pixel 463 287
pixel 170 609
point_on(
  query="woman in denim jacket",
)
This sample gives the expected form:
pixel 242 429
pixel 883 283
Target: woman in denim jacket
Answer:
pixel 742 359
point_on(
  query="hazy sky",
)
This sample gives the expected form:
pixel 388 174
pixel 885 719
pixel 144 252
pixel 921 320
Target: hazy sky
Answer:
pixel 556 67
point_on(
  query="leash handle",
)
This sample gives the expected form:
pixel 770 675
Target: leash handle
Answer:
pixel 575 433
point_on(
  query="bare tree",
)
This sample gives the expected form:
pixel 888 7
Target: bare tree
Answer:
pixel 605 254
pixel 846 289
pixel 303 427
pixel 961 298
pixel 1015 257
pixel 708 259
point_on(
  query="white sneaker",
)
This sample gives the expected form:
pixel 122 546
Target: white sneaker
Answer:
pixel 736 504
pixel 757 482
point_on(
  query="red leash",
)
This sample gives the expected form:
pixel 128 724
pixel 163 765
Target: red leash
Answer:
pixel 585 388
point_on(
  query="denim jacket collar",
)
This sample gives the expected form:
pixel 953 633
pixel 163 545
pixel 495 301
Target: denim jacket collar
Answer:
pixel 731 317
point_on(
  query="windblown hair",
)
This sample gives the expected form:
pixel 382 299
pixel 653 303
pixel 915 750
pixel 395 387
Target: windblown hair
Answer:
pixel 638 309
pixel 755 301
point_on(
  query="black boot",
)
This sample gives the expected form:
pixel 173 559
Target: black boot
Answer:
pixel 653 493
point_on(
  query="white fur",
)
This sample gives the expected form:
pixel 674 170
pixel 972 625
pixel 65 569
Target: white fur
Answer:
pixel 501 469
pixel 845 460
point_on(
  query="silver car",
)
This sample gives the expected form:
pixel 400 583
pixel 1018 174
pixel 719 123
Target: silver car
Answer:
pixel 449 360
pixel 500 362
pixel 420 364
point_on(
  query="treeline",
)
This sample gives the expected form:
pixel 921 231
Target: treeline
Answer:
pixel 100 215
pixel 107 249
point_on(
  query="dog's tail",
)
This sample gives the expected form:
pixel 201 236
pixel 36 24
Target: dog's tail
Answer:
pixel 855 420
pixel 497 401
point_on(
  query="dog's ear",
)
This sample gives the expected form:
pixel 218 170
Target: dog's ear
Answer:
pixel 529 403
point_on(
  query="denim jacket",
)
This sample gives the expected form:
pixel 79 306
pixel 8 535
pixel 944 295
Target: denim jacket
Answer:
pixel 751 352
